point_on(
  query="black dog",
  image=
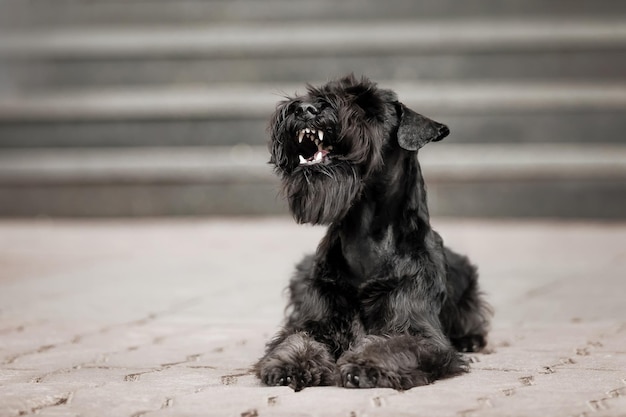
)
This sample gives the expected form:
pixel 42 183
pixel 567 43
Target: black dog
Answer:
pixel 382 303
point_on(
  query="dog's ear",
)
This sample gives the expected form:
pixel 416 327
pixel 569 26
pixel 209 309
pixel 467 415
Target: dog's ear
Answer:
pixel 415 130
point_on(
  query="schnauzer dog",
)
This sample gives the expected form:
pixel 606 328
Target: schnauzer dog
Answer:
pixel 382 303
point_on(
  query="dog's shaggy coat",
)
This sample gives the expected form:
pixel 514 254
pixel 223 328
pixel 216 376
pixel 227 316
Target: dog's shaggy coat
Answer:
pixel 382 303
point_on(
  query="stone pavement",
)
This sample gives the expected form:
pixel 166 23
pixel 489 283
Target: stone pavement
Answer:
pixel 164 317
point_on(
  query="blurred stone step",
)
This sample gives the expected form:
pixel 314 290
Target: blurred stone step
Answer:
pixel 61 13
pixel 582 64
pixel 591 127
pixel 531 49
pixel 288 39
pixel 537 48
pixel 259 100
pixel 231 114
pixel 569 181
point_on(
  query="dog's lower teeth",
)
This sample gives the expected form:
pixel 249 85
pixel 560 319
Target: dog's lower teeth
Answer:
pixel 302 160
pixel 318 157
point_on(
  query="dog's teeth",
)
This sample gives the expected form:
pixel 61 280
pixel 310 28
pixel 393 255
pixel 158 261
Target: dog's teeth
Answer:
pixel 320 135
pixel 318 157
pixel 302 160
pixel 307 130
pixel 300 136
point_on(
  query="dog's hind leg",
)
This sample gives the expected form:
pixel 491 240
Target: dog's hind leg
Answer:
pixel 465 316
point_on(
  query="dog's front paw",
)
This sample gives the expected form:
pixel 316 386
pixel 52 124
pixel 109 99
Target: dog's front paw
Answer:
pixel 355 376
pixel 358 371
pixel 366 374
pixel 298 362
pixel 297 376
pixel 286 375
pixel 470 343
pixel 383 362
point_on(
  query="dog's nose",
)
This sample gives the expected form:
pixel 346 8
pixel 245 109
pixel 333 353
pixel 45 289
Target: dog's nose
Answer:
pixel 306 111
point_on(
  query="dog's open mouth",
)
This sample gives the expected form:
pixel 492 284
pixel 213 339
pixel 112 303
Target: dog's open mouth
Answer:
pixel 311 146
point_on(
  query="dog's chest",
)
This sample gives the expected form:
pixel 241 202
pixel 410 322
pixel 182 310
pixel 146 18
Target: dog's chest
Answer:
pixel 368 256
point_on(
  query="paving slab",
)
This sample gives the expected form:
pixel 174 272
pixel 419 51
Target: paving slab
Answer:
pixel 165 317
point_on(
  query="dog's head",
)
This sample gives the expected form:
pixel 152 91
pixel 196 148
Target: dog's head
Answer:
pixel 327 144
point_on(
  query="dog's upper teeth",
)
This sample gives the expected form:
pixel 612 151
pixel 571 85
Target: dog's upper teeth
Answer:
pixel 320 135
pixel 300 136
pixel 307 130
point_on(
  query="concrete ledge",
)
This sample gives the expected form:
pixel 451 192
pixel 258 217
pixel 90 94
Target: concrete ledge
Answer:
pixel 61 13
pixel 259 100
pixel 440 162
pixel 604 65
pixel 289 38
pixel 136 165
pixel 590 127
pixel 479 180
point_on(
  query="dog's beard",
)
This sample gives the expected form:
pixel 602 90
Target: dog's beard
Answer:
pixel 322 194
pixel 321 179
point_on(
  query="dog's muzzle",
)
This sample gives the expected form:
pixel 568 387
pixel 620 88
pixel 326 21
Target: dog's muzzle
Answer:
pixel 311 146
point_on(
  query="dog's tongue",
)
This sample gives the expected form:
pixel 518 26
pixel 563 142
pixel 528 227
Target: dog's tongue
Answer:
pixel 315 159
pixel 319 155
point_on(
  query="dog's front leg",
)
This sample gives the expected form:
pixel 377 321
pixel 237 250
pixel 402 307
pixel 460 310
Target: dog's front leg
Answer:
pixel 298 361
pixel 399 362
